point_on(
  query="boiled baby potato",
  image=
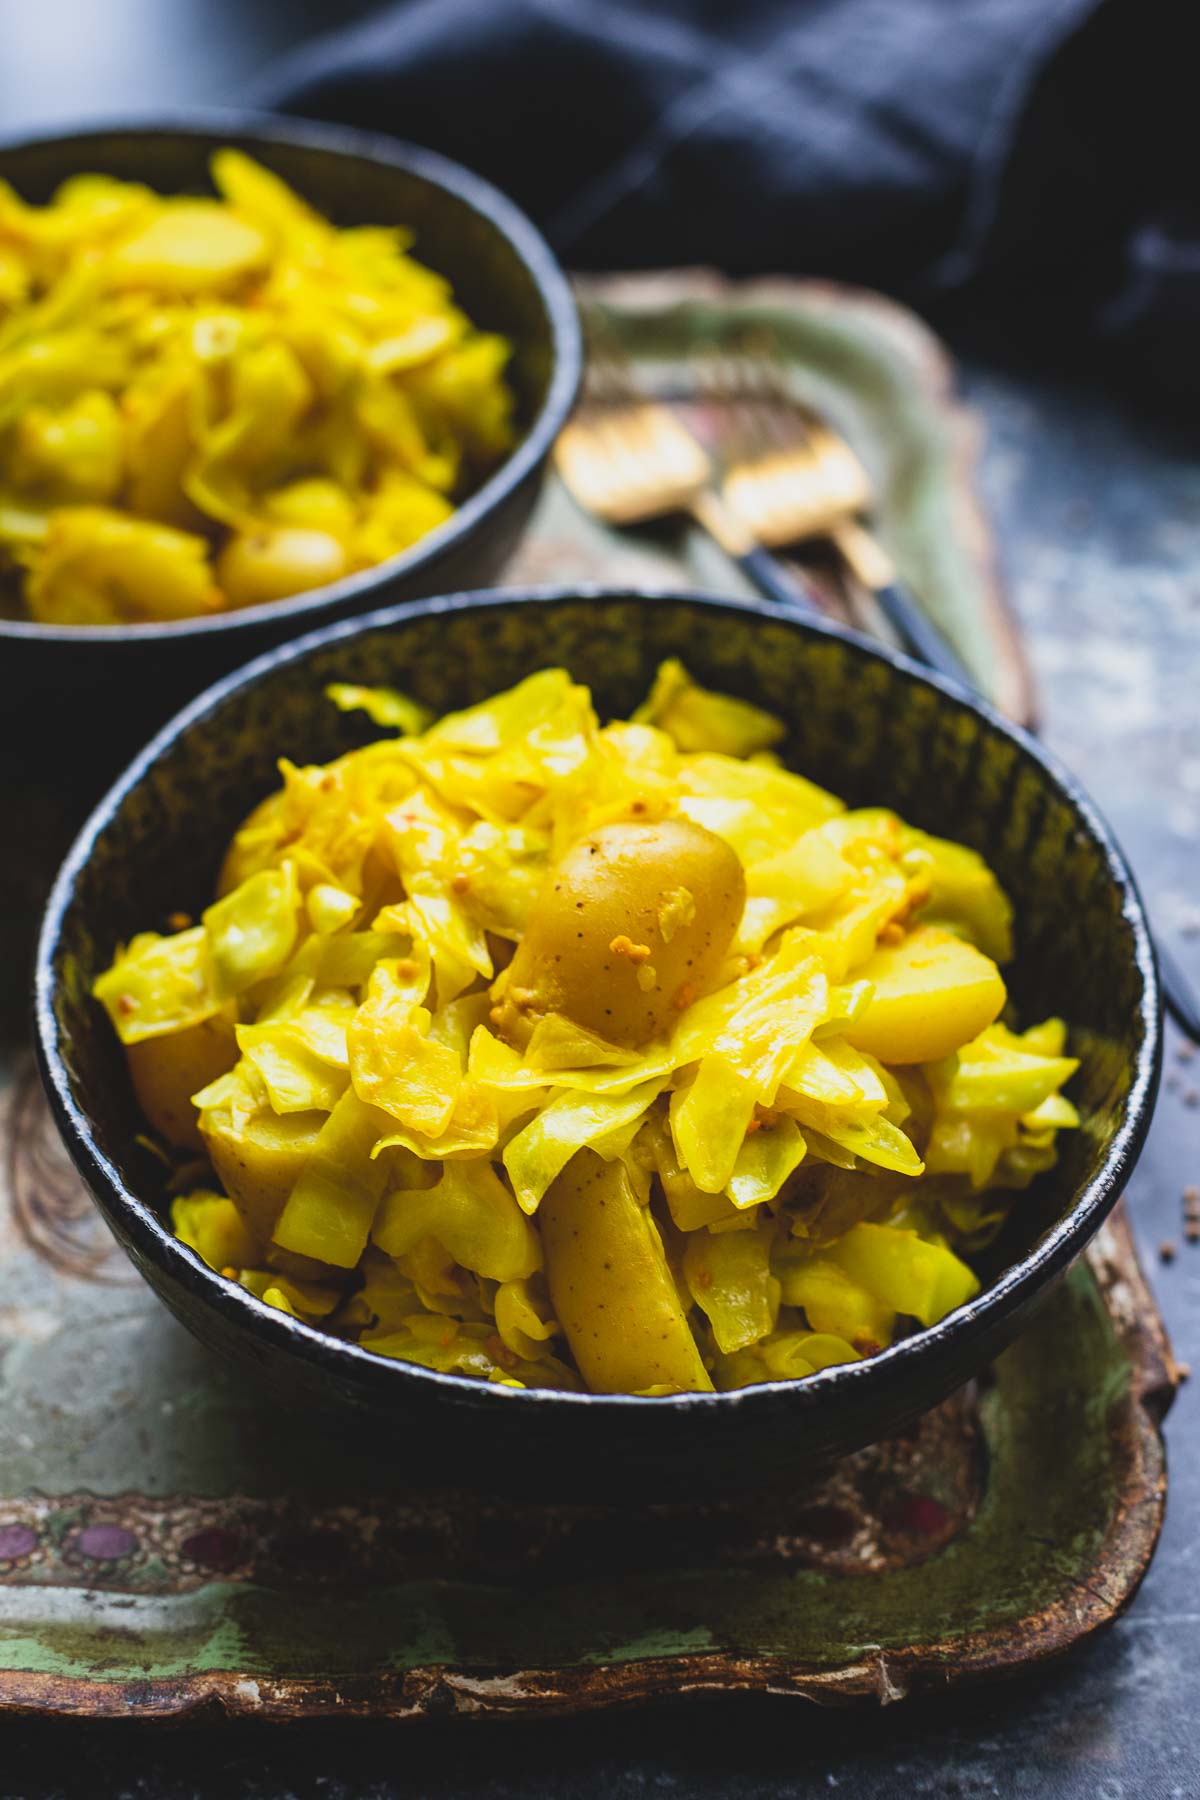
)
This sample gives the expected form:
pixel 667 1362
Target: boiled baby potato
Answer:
pixel 258 566
pixel 190 246
pixel 258 1160
pixel 610 1286
pixel 632 924
pixel 933 993
pixel 166 1071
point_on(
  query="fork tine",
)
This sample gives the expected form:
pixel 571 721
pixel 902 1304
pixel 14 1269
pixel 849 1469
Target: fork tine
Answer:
pixel 720 379
pixel 840 489
pixel 624 454
pixel 630 458
pixel 848 477
pixel 785 419
pixel 772 476
pixel 796 428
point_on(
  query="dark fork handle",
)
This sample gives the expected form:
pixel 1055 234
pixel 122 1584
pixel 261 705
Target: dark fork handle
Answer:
pixel 922 640
pixel 777 583
pixel 925 643
pixel 918 634
pixel 1178 996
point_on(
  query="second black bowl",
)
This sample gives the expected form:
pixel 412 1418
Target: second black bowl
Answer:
pixel 866 724
pixel 126 679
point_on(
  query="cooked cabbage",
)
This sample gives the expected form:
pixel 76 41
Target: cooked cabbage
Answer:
pixel 557 1054
pixel 215 403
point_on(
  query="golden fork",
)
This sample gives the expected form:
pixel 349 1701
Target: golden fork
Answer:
pixel 629 459
pixel 789 476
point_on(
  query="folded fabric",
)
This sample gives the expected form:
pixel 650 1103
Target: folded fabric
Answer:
pixel 1021 162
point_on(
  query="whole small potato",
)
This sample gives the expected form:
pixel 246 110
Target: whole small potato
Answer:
pixel 166 1071
pixel 257 566
pixel 631 925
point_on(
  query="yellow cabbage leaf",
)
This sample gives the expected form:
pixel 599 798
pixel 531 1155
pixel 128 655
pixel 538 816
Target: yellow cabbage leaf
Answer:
pixel 764 1162
pixel 709 1120
pixel 832 1301
pixel 697 719
pixel 330 1211
pixel 922 1279
pixel 472 1215
pixel 211 1225
pixel 252 931
pixel 571 1122
pixel 382 705
pixel 158 985
pixel 302 1061
pixel 729 1277
pixel 395 1065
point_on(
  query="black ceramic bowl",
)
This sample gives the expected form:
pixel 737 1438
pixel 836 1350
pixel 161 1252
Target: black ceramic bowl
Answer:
pixel 503 274
pixel 869 725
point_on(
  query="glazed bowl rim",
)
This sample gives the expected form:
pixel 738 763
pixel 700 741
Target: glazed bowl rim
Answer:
pixel 482 198
pixel 1058 1248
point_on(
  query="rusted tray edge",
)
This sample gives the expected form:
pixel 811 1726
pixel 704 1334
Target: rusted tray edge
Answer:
pixel 880 1676
pixel 1016 692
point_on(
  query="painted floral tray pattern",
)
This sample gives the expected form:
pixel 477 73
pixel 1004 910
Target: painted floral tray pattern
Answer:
pixel 169 1543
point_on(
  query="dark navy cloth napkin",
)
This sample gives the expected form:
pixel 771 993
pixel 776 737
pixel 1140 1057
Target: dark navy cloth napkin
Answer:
pixel 1031 166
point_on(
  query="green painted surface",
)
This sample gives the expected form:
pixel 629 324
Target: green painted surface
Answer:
pixel 1048 1500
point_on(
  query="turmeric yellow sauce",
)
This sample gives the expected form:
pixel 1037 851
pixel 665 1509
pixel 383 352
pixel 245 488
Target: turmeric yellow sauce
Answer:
pixel 214 403
pixel 608 1057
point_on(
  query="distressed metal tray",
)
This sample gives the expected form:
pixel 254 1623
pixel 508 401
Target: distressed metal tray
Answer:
pixel 168 1541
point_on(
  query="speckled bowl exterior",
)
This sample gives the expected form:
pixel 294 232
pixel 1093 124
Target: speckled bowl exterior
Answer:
pixel 869 725
pixel 503 274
